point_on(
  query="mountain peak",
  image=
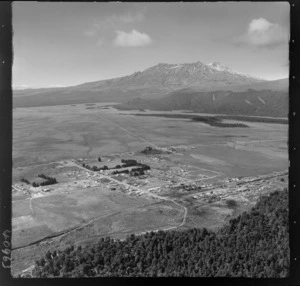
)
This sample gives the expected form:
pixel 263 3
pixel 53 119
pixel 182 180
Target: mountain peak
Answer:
pixel 214 64
pixel 173 76
pixel 218 66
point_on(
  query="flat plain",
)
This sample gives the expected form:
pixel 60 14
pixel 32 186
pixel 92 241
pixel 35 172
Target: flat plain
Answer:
pixel 55 140
pixel 47 134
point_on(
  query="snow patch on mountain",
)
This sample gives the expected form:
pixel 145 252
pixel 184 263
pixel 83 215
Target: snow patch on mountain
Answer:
pixel 176 67
pixel 222 68
pixel 260 99
pixel 217 66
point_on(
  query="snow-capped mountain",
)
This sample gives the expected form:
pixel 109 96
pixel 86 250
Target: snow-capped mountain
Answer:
pixel 175 76
pixel 151 83
pixel 219 67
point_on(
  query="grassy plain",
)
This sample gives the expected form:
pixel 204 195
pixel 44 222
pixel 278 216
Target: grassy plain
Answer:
pixel 80 217
pixel 42 135
pixel 46 134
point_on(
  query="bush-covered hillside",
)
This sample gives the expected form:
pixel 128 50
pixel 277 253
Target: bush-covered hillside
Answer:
pixel 247 103
pixel 254 244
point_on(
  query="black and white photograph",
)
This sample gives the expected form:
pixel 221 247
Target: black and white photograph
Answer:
pixel 150 139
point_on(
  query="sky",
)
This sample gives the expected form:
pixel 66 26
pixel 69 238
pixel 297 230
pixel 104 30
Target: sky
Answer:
pixel 65 44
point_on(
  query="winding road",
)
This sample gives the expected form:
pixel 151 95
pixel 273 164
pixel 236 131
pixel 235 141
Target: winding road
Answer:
pixel 68 231
pixel 141 191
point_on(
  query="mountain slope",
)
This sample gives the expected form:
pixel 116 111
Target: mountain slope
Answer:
pixel 153 83
pixel 250 102
pixel 175 76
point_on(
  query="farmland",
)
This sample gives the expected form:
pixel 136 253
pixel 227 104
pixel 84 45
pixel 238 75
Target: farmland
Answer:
pixel 198 170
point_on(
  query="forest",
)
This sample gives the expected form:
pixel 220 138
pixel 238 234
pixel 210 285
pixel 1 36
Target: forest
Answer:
pixel 217 122
pixel 254 244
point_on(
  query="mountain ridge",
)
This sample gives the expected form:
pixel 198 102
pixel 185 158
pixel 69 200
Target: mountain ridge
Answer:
pixel 174 76
pixel 213 67
pixel 154 82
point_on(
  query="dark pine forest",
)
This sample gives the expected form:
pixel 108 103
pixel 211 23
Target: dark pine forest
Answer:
pixel 254 244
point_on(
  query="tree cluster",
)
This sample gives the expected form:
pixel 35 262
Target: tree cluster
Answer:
pixel 129 163
pixel 151 151
pixel 95 168
pixel 48 181
pixel 134 171
pixel 25 181
pixel 139 171
pixel 255 244
pixel 126 171
pixel 126 163
pixel 217 122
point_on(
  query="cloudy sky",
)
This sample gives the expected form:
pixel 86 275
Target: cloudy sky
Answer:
pixel 62 44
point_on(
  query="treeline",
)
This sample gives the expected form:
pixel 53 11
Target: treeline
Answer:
pixel 126 163
pixel 255 244
pixel 210 120
pixel 25 181
pixel 134 171
pixel 218 119
pixel 255 119
pixel 217 122
pixel 94 168
pixel 48 181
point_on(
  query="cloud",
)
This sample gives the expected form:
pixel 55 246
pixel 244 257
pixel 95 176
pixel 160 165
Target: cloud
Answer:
pixel 114 21
pixel 90 33
pixel 262 33
pixel 127 18
pixel 100 42
pixel 132 39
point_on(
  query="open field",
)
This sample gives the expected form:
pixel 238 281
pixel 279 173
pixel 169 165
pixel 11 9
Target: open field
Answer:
pixel 70 215
pixel 55 221
pixel 117 225
pixel 85 205
pixel 47 134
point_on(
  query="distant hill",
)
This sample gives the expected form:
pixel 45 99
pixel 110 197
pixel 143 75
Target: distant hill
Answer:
pixel 250 102
pixel 275 85
pixel 152 83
